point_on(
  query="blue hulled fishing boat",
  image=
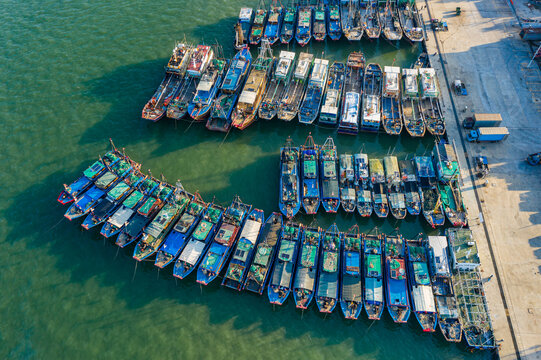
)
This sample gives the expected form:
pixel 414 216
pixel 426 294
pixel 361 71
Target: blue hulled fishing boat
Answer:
pixel 328 160
pixel 305 275
pixel 428 192
pixel 310 176
pixel 316 86
pixel 363 185
pixel 274 23
pixel 222 244
pixel 86 180
pixel 178 237
pixel 145 213
pixel 351 99
pixel 290 201
pixel 265 252
pixel 199 242
pixel 335 26
pixel 281 279
pixel 395 276
pixel 379 188
pixel 291 101
pixel 205 92
pixel 114 174
pixel 422 297
pixel 351 293
pixel 351 19
pixel 397 200
pixel 320 21
pixel 277 85
pixel 107 205
pixel 371 114
pixel 155 233
pixel 391 114
pixel 374 302
pixel 242 28
pixel 258 26
pixel 224 103
pixel 327 290
pixel 304 25
pixel 410 186
pixel 244 250
pixel 288 26
pixel 413 121
pixel 347 183
pixel 127 210
pixel 333 94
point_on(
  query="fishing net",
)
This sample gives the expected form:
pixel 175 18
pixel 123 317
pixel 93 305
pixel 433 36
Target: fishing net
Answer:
pixel 213 215
pixel 257 273
pixel 330 261
pixel 308 255
pixel 133 199
pixel 329 168
pixel 235 272
pixel 310 168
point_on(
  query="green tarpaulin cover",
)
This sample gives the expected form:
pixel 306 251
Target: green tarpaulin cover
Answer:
pixel 310 168
pixel 257 32
pixel 119 190
pixel 421 273
pixel 121 167
pixel 259 19
pixel 105 180
pixel 235 272
pixel 213 215
pixel 330 261
pixel 148 184
pixel 353 243
pixel 373 265
pixel 202 230
pixel 243 248
pixel 195 208
pixel 211 259
pixel 133 199
pixel 308 255
pixel 290 16
pixel 147 206
pixel 93 170
pixel 329 168
pixel 320 15
pixel 262 255
pixel 257 273
pixel 287 248
pixel 335 15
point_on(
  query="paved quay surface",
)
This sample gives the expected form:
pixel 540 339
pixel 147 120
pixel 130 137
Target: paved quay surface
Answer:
pixel 482 48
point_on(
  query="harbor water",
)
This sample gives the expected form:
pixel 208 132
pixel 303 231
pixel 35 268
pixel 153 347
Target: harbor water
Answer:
pixel 78 73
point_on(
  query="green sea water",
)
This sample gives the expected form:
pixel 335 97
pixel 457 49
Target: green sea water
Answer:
pixel 77 73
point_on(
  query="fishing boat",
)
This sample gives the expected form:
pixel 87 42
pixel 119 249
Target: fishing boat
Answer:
pixel 272 30
pixel 428 193
pixel 363 185
pixel 244 251
pixel 206 90
pixel 351 19
pixel 372 85
pixel 200 59
pixel 410 21
pixel 453 206
pixel 330 197
pixel 320 21
pixel 83 183
pixel 178 237
pixel 446 161
pixel 265 252
pixel 429 104
pixel 132 230
pixel 155 233
pixel 335 25
pixel 254 89
pixel 347 183
pixel 258 26
pixel 198 242
pixel 290 102
pixel 396 279
pixel 391 114
pixel 243 27
pixel 288 26
pixel 442 287
pixel 220 117
pixel 107 205
pixel 374 302
pixel 390 21
pixel 410 186
pixel 305 276
pixel 422 297
pixel 397 200
pixel 351 292
pixel 310 176
pixel 370 19
pixel 290 202
pixel 223 242
pixel 123 215
pixel 105 182
pixel 156 107
pixel 410 103
pixel 327 290
pixel 304 25
pixel 379 188
pixel 333 94
pixel 316 86
pixel 277 85
pixel 281 279
pixel 351 99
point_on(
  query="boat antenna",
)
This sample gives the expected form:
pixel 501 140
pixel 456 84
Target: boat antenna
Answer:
pixel 112 144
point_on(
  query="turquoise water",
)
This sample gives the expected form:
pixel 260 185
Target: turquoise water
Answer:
pixel 76 73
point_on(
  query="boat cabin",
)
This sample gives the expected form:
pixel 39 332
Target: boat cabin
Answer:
pixel 429 83
pixel 464 252
pixel 303 66
pixel 440 256
pixel 199 61
pixel 285 63
pixel 391 81
pixel 446 161
pixel 411 86
pixel 245 15
pixel 392 170
pixel 319 73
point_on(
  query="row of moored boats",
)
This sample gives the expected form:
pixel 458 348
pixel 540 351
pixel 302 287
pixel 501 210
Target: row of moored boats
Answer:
pixel 311 175
pixel 352 97
pixel 301 20
pixel 254 252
